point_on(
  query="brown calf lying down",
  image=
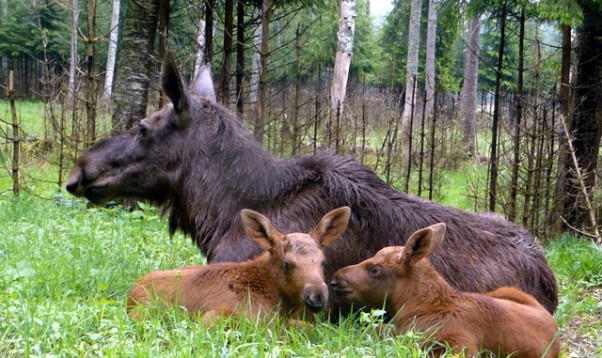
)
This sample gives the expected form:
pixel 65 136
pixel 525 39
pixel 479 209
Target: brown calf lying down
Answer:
pixel 503 321
pixel 289 275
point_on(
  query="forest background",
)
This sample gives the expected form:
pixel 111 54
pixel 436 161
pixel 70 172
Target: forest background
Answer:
pixel 483 105
pixel 510 86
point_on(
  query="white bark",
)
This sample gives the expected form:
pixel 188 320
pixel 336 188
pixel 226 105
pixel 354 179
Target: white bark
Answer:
pixel 431 37
pixel 342 63
pixel 411 73
pixel 73 62
pixel 468 97
pixel 112 53
pixel 200 47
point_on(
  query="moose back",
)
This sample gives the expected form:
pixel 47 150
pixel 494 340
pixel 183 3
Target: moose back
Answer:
pixel 195 160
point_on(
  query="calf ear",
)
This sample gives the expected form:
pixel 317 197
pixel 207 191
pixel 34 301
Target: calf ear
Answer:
pixel 422 243
pixel 332 226
pixel 259 228
pixel 203 83
pixel 172 86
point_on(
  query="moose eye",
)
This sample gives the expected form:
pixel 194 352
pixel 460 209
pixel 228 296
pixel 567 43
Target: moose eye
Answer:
pixel 142 130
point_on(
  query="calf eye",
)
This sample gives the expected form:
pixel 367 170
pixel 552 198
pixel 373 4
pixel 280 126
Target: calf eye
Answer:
pixel 287 266
pixel 374 270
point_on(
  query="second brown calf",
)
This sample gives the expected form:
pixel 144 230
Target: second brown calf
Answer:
pixel 402 279
pixel 289 275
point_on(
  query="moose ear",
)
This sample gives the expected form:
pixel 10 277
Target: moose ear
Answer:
pixel 332 226
pixel 422 243
pixel 203 83
pixel 259 228
pixel 172 86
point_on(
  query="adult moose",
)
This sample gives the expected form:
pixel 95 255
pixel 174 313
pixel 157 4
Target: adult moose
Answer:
pixel 195 160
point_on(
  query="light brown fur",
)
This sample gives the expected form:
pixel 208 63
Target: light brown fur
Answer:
pixel 289 275
pixel 503 321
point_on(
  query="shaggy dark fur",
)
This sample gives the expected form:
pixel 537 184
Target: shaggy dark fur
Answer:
pixel 196 160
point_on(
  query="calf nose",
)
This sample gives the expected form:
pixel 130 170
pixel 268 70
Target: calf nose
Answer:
pixel 315 301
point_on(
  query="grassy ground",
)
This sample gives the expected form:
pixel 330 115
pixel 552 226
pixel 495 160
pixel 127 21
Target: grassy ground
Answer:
pixel 67 270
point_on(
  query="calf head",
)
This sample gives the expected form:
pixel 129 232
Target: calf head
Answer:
pixel 144 162
pixel 392 270
pixel 296 259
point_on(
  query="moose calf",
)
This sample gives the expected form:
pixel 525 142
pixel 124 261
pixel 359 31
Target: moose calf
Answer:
pixel 503 321
pixel 289 275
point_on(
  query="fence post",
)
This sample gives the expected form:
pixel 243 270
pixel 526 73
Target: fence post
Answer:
pixel 16 137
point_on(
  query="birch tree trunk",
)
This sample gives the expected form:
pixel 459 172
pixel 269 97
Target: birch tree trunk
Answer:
pixel 468 97
pixel 199 55
pixel 73 62
pixel 411 73
pixel 344 53
pixel 431 39
pixel 134 63
pixel 112 52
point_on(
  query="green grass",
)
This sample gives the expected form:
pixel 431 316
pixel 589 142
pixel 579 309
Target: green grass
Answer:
pixel 67 269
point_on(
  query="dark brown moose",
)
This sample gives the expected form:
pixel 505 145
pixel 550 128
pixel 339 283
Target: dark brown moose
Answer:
pixel 403 280
pixel 288 275
pixel 195 160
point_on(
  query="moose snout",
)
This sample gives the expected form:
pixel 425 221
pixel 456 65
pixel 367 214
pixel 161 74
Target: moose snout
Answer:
pixel 339 284
pixel 315 298
pixel 73 182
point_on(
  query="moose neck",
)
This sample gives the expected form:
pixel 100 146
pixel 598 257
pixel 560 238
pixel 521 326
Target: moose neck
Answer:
pixel 228 172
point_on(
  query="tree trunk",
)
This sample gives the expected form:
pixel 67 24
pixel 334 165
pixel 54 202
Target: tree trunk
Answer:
pixel 411 73
pixel 112 52
pixel 343 56
pixel 134 64
pixel 90 75
pixel 493 160
pixel 518 98
pixel 258 130
pixel 209 11
pixel 74 60
pixel 224 84
pixel 199 55
pixel 564 163
pixel 585 127
pixel 429 69
pixel 163 35
pixel 468 97
pixel 255 61
pixel 240 55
